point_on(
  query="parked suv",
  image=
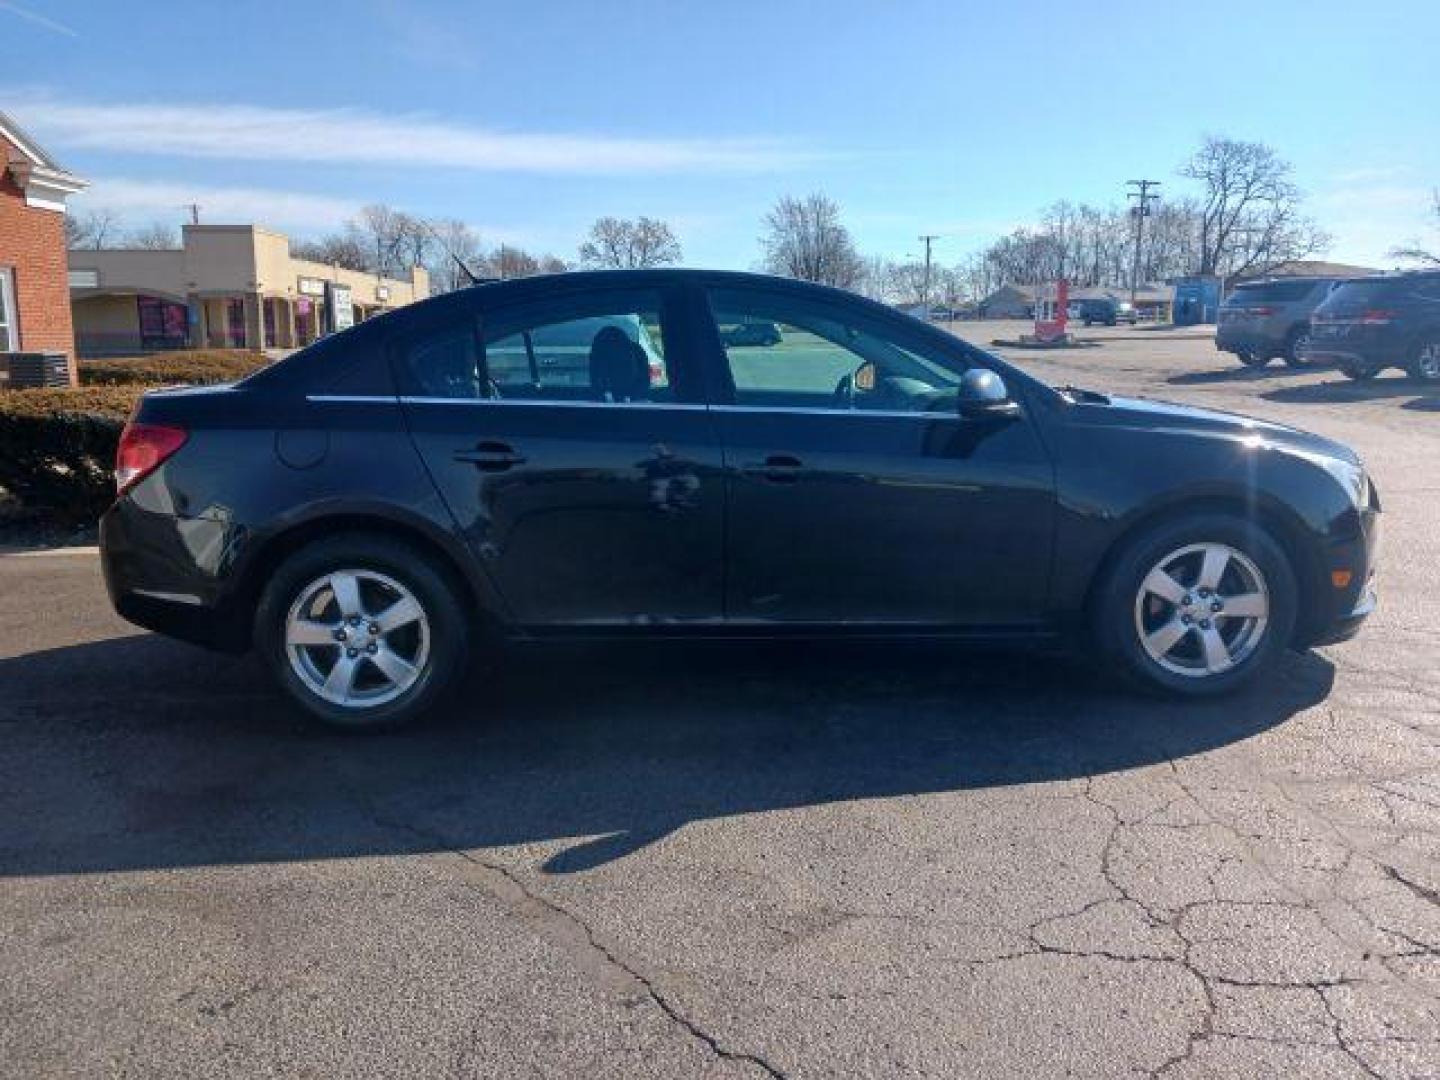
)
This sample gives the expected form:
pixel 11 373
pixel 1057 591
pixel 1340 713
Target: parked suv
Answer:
pixel 1369 324
pixel 1265 319
pixel 1106 311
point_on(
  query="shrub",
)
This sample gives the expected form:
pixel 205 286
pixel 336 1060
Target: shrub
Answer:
pixel 198 366
pixel 57 447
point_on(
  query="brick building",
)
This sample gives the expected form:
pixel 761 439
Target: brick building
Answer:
pixel 34 283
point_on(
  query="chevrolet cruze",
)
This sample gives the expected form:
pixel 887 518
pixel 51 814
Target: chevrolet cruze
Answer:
pixel 375 512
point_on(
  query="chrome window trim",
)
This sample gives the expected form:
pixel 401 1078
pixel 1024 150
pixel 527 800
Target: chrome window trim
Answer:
pixel 683 406
pixel 363 399
pixel 648 406
pixel 803 410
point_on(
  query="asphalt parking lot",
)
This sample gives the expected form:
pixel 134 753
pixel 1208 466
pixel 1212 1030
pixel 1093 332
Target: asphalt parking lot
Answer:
pixel 792 861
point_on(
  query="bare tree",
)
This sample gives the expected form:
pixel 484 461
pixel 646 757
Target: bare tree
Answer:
pixel 1414 251
pixel 510 262
pixel 157 236
pixel 805 239
pixel 615 243
pixel 385 231
pixel 459 239
pixel 346 249
pixel 93 229
pixel 1249 207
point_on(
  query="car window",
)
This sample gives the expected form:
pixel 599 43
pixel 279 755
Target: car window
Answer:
pixel 607 348
pixel 1272 292
pixel 444 363
pixel 784 351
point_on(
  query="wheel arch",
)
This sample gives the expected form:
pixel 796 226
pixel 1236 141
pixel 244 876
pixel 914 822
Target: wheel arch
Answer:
pixel 1283 525
pixel 261 563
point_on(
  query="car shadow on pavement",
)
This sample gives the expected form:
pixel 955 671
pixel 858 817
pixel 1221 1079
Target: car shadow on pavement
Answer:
pixel 139 753
pixel 1236 375
pixel 1431 404
pixel 1342 391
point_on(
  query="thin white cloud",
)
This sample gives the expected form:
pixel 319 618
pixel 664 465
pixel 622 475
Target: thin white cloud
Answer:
pixel 143 199
pixel 36 18
pixel 353 136
pixel 298 213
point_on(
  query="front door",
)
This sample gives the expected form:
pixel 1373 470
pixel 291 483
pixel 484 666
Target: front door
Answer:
pixel 856 492
pixel 570 441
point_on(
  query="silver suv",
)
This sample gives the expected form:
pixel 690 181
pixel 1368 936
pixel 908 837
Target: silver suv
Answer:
pixel 1264 319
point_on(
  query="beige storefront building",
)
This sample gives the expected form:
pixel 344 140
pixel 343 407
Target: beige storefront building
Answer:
pixel 227 286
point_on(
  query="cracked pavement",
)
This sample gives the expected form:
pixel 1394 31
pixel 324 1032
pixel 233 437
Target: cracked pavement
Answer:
pixel 743 861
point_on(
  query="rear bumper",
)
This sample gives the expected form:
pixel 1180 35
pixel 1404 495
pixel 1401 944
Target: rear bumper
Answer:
pixel 1359 346
pixel 1237 340
pixel 166 574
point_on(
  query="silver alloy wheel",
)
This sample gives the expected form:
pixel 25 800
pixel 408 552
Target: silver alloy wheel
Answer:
pixel 1202 610
pixel 1427 361
pixel 357 638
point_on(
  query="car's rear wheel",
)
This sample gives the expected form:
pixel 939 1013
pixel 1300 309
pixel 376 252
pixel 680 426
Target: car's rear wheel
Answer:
pixel 1251 358
pixel 365 633
pixel 1197 605
pixel 1358 371
pixel 1425 366
pixel 1297 347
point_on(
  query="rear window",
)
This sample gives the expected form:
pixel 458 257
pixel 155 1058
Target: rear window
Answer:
pixel 1274 292
pixel 1364 292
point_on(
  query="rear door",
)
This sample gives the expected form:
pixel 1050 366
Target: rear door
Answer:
pixel 857 493
pixel 570 441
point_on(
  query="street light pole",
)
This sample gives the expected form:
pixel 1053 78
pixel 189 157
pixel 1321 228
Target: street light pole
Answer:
pixel 1144 197
pixel 927 240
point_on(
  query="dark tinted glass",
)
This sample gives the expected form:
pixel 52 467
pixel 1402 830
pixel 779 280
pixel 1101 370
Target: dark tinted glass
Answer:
pixel 600 347
pixel 1272 291
pixel 1364 292
pixel 445 364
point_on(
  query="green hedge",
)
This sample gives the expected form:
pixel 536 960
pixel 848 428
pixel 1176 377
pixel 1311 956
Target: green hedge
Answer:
pixel 196 367
pixel 57 448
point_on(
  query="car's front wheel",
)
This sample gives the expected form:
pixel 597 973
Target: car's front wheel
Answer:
pixel 364 632
pixel 1197 605
pixel 1251 358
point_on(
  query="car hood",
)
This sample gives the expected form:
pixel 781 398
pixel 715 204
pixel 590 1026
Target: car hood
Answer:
pixel 1165 415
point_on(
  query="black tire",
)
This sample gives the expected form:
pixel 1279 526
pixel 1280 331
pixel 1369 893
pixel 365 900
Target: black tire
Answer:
pixel 1358 372
pixel 1296 345
pixel 429 583
pixel 1424 365
pixel 1252 359
pixel 1116 606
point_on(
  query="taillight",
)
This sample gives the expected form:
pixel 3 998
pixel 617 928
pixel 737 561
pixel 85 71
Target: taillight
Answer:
pixel 1376 316
pixel 1261 310
pixel 143 449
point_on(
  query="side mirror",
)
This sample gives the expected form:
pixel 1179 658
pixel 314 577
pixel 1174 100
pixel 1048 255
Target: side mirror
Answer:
pixel 982 394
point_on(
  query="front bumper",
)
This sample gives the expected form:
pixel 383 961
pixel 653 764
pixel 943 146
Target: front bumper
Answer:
pixel 1346 608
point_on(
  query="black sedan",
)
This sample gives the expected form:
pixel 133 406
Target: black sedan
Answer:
pixel 376 509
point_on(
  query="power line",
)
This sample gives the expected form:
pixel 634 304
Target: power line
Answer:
pixel 1144 197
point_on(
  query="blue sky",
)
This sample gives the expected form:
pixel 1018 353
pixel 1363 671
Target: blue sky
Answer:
pixel 530 119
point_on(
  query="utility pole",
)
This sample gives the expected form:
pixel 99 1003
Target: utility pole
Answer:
pixel 1144 197
pixel 194 209
pixel 927 240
